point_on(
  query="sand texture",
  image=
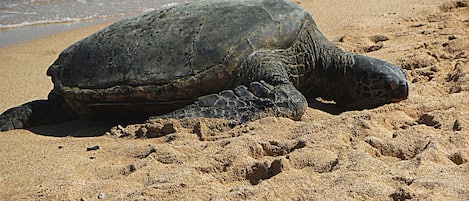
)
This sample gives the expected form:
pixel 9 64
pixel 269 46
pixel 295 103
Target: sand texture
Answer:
pixel 417 149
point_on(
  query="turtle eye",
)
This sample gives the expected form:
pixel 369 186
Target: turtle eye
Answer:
pixel 393 85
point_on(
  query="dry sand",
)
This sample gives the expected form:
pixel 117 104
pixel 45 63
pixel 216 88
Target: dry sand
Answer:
pixel 417 149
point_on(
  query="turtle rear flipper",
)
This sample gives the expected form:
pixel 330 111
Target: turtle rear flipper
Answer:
pixel 39 112
pixel 244 104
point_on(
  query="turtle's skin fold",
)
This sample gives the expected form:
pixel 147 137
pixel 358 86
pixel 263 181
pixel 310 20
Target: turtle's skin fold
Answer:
pixel 234 59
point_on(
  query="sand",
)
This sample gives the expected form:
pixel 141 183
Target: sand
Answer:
pixel 417 149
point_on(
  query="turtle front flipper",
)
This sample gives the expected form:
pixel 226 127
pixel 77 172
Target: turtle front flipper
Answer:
pixel 244 104
pixel 270 93
pixel 35 113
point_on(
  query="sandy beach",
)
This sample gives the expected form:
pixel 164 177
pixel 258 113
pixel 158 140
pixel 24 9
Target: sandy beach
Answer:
pixel 417 149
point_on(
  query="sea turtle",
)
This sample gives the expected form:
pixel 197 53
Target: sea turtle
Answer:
pixel 233 59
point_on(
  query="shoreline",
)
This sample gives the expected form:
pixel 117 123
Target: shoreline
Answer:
pixel 13 36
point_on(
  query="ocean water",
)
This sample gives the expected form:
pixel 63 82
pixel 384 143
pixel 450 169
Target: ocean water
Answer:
pixel 22 20
pixel 20 13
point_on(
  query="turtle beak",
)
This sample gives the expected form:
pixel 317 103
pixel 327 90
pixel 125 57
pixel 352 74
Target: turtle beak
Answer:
pixel 399 91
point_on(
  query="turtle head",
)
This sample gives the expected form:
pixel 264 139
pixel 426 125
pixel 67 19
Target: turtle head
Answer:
pixel 372 82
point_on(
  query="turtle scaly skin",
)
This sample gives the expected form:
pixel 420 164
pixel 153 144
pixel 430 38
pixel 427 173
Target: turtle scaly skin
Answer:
pixel 236 59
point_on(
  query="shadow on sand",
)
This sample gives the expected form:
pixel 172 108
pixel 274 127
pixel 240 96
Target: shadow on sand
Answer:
pixel 82 128
pixel 75 128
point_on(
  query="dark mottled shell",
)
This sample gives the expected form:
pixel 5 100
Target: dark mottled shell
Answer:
pixel 178 52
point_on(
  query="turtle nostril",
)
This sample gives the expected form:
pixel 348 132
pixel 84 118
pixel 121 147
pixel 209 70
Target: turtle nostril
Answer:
pixel 400 93
pixel 405 89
